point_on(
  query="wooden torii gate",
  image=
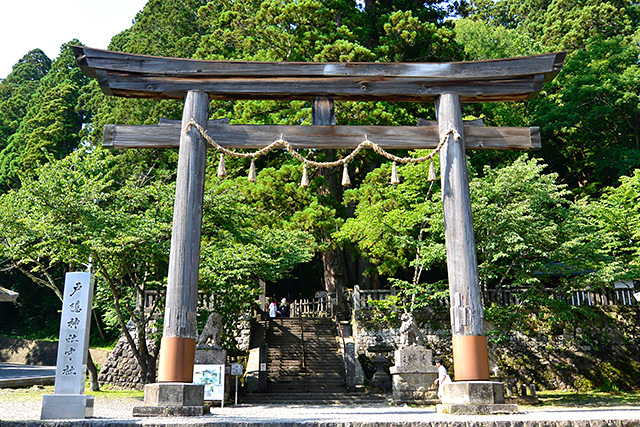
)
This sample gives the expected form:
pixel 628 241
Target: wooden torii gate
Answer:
pixel 197 82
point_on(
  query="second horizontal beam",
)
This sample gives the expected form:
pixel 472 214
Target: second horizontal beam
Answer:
pixel 321 137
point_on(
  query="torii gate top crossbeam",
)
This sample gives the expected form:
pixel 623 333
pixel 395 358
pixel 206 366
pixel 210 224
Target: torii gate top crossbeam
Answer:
pixel 142 76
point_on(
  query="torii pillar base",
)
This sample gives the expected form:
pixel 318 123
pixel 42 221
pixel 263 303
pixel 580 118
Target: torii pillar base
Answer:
pixel 171 400
pixel 474 398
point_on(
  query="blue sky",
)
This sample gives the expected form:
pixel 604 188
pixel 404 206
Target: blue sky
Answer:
pixel 47 24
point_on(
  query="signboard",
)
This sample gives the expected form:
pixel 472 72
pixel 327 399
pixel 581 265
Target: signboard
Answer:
pixel 236 369
pixel 212 377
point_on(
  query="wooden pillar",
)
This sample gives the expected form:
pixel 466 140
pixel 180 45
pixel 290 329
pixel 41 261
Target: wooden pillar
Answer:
pixel 470 356
pixel 178 345
pixel 323 112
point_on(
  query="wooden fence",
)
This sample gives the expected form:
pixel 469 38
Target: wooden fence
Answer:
pixel 605 297
pixel 361 299
pixel 358 299
pixel 321 306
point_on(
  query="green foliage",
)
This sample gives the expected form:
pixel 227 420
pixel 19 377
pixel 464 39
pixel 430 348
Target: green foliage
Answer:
pixel 482 40
pixel 163 28
pixel 279 31
pixel 616 217
pixel 560 24
pixel 116 208
pixel 81 208
pixel 17 89
pixel 588 114
pixel 52 124
pixel 242 243
pixel 94 204
pixel 518 215
pixel 570 24
pixel 390 223
pixel 406 38
pixel 384 313
pixel 523 218
pixel 583 107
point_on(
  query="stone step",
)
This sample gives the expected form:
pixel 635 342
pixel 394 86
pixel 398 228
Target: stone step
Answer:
pixel 315 355
pixel 301 377
pixel 302 389
pixel 338 382
pixel 324 368
pixel 313 398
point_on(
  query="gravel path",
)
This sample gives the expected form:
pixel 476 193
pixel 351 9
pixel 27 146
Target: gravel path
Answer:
pixel 26 406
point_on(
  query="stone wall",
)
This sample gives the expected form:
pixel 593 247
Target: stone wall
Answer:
pixel 121 369
pixel 595 349
pixel 43 353
pixel 28 352
pixel 439 340
pixel 433 325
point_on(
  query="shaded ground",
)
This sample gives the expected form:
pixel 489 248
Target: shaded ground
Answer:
pixel 587 400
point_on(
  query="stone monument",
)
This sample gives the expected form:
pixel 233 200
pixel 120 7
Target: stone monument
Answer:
pixel 69 400
pixel 414 373
pixel 209 349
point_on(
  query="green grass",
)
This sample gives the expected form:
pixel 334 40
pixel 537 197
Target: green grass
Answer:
pixel 35 393
pixel 106 392
pixel 8 395
pixel 586 400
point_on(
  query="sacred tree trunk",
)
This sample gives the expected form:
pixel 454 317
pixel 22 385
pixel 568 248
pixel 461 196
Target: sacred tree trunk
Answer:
pixel 333 259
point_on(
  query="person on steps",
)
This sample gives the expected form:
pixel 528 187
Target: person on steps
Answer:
pixel 284 308
pixel 273 309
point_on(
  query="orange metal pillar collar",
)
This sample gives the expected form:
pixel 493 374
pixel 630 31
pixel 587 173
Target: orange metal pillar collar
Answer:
pixel 176 360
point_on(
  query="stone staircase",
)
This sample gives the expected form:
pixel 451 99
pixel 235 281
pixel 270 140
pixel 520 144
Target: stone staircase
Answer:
pixel 304 364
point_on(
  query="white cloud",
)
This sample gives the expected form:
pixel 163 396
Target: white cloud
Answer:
pixel 47 24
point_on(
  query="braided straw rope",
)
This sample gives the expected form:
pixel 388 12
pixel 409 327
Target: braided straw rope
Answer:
pixel 282 143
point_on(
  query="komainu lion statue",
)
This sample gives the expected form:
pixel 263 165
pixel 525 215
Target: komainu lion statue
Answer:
pixel 409 332
pixel 210 336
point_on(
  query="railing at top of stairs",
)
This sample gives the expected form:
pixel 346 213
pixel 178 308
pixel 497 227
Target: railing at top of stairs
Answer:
pixel 324 305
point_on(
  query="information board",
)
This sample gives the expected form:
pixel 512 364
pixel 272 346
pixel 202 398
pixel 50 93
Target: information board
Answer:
pixel 212 377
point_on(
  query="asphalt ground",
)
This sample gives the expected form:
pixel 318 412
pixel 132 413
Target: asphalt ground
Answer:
pixel 13 375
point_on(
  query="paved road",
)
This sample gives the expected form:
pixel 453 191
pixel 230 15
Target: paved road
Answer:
pixel 12 375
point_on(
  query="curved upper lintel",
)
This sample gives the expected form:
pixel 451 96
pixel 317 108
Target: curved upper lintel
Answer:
pixel 129 75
